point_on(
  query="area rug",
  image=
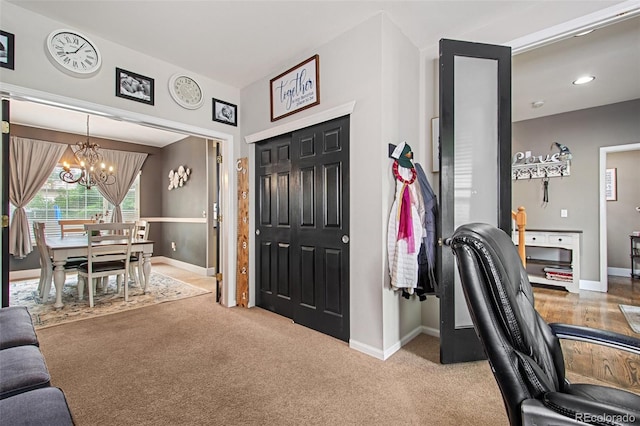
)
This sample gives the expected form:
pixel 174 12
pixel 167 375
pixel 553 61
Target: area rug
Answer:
pixel 632 314
pixel 161 289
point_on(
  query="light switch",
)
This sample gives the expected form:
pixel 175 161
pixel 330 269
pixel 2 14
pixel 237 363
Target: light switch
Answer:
pixel 564 213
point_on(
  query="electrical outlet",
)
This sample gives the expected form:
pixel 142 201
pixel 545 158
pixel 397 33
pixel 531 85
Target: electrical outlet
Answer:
pixel 564 213
pixel 173 245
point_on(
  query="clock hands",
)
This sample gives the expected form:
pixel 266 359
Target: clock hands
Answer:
pixel 78 49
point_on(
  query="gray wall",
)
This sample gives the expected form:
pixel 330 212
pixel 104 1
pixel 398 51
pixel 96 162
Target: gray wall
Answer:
pixel 622 217
pixel 584 132
pixel 188 201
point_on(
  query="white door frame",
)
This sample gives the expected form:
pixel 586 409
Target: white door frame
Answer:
pixel 604 266
pixel 227 245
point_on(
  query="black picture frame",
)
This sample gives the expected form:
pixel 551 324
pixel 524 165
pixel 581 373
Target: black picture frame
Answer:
pixel 134 86
pixel 7 50
pixel 224 112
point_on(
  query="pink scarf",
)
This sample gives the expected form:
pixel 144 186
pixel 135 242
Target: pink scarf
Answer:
pixel 405 227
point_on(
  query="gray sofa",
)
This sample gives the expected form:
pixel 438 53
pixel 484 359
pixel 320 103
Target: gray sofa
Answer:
pixel 26 394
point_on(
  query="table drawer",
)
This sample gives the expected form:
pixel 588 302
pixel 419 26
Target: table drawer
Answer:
pixel 561 239
pixel 532 239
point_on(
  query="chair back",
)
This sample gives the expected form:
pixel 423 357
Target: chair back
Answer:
pixel 525 356
pixel 141 230
pixel 73 226
pixel 109 243
pixel 41 244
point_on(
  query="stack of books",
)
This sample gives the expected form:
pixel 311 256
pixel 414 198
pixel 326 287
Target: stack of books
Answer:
pixel 558 274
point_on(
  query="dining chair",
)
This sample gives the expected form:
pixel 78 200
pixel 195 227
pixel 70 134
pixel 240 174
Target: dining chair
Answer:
pixel 140 232
pixel 46 265
pixel 73 226
pixel 108 253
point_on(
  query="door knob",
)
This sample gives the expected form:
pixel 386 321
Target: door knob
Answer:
pixel 257 232
pixel 345 239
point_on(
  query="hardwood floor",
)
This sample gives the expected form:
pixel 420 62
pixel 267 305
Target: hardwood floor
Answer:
pixel 597 310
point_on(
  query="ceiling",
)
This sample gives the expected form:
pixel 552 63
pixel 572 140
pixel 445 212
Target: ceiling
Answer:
pixel 239 42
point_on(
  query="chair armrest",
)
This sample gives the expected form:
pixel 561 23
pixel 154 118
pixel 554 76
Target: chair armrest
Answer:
pixel 597 336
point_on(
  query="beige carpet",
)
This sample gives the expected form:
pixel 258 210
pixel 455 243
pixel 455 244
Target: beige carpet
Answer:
pixel 632 315
pixel 161 289
pixel 194 362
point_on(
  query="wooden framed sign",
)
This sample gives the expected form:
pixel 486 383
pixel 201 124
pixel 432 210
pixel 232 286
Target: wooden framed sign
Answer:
pixel 296 89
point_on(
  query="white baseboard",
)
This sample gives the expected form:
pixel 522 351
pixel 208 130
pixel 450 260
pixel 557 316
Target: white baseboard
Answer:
pixel 619 272
pixel 431 331
pixel 25 274
pixel 592 286
pixel 366 349
pixel 383 355
pixel 182 265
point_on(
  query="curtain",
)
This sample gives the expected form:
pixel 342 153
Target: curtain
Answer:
pixel 30 164
pixel 126 167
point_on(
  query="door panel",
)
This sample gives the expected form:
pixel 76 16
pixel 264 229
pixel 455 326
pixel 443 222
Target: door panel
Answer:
pixel 312 259
pixel 475 164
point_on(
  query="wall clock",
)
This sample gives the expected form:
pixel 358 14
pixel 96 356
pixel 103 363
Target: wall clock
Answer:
pixel 73 53
pixel 186 91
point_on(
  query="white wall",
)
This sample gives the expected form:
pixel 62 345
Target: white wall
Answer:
pixel 35 71
pixel 374 65
pixel 400 122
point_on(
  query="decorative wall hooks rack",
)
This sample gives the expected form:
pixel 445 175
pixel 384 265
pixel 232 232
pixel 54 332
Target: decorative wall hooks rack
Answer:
pixel 525 166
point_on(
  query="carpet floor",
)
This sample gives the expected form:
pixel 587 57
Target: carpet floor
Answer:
pixel 161 289
pixel 194 362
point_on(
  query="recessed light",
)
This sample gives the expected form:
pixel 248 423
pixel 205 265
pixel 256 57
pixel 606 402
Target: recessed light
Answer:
pixel 537 104
pixel 584 80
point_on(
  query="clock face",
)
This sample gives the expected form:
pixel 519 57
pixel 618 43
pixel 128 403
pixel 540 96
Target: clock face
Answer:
pixel 186 91
pixel 73 53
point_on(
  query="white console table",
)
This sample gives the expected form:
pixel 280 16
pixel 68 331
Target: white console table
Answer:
pixel 554 250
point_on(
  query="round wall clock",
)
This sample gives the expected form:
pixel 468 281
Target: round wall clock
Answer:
pixel 73 53
pixel 186 91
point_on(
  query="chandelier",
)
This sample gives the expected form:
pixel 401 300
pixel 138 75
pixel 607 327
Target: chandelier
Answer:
pixel 92 167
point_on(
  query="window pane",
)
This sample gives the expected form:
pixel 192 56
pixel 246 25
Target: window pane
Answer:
pixel 59 200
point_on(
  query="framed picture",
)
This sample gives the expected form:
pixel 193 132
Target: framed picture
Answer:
pixel 611 185
pixel 435 144
pixel 296 89
pixel 7 49
pixel 224 112
pixel 134 87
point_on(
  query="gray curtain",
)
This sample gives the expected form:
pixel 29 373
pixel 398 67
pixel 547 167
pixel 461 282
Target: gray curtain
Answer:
pixel 30 164
pixel 126 165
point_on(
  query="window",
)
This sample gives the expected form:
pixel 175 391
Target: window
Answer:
pixel 59 200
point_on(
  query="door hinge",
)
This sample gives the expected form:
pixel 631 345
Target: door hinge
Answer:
pixel 219 276
pixel 5 127
pixel 219 218
pixel 5 221
pixel 219 159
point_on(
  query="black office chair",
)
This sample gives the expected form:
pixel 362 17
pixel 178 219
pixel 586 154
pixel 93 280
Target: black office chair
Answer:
pixel 523 350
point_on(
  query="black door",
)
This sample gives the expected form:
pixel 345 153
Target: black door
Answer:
pixel 4 191
pixel 302 226
pixel 475 169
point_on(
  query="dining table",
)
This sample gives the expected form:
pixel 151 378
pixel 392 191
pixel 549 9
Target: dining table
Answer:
pixel 63 248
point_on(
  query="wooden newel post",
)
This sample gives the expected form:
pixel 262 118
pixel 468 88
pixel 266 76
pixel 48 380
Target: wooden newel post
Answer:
pixel 521 222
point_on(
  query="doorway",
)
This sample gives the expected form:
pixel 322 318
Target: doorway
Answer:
pixel 224 141
pixel 302 226
pixel 604 264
